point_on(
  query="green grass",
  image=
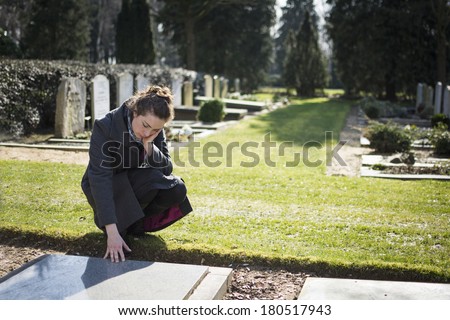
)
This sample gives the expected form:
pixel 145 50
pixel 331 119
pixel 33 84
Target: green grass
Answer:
pixel 270 213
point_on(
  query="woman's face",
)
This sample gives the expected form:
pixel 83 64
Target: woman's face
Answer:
pixel 145 125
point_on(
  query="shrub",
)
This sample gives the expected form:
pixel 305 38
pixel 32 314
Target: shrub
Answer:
pixel 440 118
pixel 211 111
pixel 440 139
pixel 388 138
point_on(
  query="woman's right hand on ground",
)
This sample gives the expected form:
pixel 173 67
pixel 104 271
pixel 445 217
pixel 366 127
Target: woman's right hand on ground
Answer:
pixel 115 244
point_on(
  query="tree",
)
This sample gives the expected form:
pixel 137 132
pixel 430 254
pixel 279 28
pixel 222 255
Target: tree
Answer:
pixel 236 42
pixel 57 30
pixel 134 40
pixel 384 47
pixel 103 20
pixel 292 17
pixel 304 67
pixel 227 37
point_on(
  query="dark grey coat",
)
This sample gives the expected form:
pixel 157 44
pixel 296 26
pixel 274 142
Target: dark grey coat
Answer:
pixel 106 183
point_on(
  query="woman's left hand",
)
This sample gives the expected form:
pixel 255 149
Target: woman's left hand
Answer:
pixel 148 142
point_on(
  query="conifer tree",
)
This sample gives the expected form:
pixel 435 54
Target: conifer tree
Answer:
pixel 57 30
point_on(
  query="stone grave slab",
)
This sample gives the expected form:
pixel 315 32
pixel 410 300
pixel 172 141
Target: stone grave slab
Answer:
pixel 353 289
pixel 65 277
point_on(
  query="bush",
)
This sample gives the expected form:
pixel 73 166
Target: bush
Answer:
pixel 388 138
pixel 440 118
pixel 211 111
pixel 374 108
pixel 440 139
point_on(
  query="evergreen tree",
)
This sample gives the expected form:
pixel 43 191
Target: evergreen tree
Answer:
pixel 134 39
pixel 292 17
pixel 304 67
pixel 57 30
pixel 383 47
pixel 226 37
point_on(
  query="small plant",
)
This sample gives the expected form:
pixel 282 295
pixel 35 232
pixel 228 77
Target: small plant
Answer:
pixel 440 139
pixel 211 111
pixel 440 118
pixel 379 167
pixel 388 138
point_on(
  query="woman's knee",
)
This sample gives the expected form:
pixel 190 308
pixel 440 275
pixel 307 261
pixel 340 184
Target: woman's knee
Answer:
pixel 178 192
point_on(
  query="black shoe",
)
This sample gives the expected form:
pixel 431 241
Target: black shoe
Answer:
pixel 137 228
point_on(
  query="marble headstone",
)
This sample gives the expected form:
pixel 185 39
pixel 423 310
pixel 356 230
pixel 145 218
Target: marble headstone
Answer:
pixel 65 277
pixel 142 82
pixel 70 108
pixel 216 93
pixel 446 104
pixel 419 96
pixel 124 82
pixel 208 85
pixel 100 102
pixel 188 94
pixel 177 86
pixel 224 87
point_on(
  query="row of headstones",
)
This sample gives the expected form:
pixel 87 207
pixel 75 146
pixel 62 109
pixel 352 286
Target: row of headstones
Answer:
pixel 217 87
pixel 440 95
pixel 71 97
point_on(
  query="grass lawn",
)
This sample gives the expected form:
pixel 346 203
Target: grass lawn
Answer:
pixel 260 195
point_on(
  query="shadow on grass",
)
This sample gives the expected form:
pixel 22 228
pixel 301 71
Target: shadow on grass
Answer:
pixel 306 122
pixel 153 248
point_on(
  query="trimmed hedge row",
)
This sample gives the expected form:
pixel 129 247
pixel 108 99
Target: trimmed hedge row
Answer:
pixel 28 88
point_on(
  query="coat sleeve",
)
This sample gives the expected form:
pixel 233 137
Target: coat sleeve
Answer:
pixel 100 173
pixel 160 157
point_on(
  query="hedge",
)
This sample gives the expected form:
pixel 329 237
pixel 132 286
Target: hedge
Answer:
pixel 28 88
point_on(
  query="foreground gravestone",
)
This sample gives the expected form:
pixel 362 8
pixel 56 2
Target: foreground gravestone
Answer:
pixel 355 289
pixel 61 277
pixel 100 102
pixel 70 108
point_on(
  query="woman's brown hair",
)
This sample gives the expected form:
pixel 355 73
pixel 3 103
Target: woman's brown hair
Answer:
pixel 157 100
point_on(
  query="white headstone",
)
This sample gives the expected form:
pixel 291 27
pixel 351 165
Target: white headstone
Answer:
pixel 446 104
pixel 188 97
pixel 237 85
pixel 224 87
pixel 419 96
pixel 216 93
pixel 208 86
pixel 142 82
pixel 100 102
pixel 177 85
pixel 70 108
pixel 438 98
pixel 124 85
